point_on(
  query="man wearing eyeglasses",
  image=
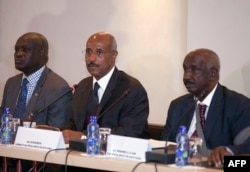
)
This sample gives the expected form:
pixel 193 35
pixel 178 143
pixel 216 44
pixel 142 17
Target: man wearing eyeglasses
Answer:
pixel 122 100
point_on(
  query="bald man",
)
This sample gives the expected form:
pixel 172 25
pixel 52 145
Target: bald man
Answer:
pixel 227 114
pixel 123 101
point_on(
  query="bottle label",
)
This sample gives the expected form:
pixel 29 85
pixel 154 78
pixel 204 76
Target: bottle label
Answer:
pixel 6 128
pixel 181 158
pixel 6 136
pixel 182 150
pixel 93 146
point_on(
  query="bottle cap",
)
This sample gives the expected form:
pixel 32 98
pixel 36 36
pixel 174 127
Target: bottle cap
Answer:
pixel 183 129
pixel 92 118
pixel 6 110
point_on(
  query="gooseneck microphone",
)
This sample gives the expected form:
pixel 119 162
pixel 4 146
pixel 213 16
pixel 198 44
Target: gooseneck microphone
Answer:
pixel 166 155
pixel 80 144
pixel 33 115
pixel 184 115
pixel 200 97
pixel 125 93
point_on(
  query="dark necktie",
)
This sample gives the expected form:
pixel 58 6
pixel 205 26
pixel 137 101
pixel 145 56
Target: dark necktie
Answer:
pixel 21 102
pixel 93 104
pixel 202 110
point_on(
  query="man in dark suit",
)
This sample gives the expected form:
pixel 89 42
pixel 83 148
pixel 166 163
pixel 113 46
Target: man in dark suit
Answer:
pixel 227 116
pixel 43 87
pixel 123 102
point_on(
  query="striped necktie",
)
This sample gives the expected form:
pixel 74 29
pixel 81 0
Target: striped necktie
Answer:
pixel 202 110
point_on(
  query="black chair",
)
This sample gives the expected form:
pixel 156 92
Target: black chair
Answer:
pixel 155 131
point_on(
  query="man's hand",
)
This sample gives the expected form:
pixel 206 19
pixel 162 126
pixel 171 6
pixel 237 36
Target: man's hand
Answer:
pixel 70 135
pixel 216 157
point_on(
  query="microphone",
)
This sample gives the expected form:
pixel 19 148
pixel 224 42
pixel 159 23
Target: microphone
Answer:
pixel 1 110
pixel 194 104
pixel 184 115
pixel 125 93
pixel 80 144
pixel 32 116
pixel 166 155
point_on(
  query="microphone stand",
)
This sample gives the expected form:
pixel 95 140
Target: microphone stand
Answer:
pixel 32 115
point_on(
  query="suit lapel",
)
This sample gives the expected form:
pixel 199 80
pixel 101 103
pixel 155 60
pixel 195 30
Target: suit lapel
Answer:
pixel 15 90
pixel 189 111
pixel 35 95
pixel 108 93
pixel 215 111
pixel 82 110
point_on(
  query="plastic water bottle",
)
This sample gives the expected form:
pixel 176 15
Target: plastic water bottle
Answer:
pixel 93 137
pixel 6 127
pixel 182 147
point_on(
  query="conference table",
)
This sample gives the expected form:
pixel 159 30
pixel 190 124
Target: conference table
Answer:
pixel 80 159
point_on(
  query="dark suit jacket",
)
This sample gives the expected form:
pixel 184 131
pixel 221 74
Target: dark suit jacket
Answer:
pixel 228 114
pixel 48 88
pixel 127 117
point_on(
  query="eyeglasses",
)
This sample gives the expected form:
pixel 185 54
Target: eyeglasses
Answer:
pixel 98 52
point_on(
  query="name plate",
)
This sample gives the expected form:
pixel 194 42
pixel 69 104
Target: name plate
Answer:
pixel 127 147
pixel 39 138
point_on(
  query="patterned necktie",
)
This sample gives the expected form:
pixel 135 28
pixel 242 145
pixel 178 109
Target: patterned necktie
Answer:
pixel 93 104
pixel 21 102
pixel 202 110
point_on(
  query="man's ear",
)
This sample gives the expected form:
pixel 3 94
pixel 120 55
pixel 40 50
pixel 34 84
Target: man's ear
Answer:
pixel 114 54
pixel 213 73
pixel 42 52
pixel 43 55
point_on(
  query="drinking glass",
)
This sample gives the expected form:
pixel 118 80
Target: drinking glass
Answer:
pixel 195 158
pixel 104 133
pixel 14 123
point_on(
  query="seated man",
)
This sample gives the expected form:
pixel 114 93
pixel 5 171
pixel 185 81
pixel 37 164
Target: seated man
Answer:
pixel 122 103
pixel 227 114
pixel 43 87
pixel 47 96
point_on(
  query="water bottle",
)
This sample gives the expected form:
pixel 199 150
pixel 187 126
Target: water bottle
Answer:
pixel 6 127
pixel 182 147
pixel 93 137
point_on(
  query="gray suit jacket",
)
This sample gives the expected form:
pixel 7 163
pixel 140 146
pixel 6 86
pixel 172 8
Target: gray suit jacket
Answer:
pixel 49 87
pixel 228 115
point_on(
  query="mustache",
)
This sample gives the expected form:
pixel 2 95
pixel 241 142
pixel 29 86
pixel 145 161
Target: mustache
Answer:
pixel 91 64
pixel 188 82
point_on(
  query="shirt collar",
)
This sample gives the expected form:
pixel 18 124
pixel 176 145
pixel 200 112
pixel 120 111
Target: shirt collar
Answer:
pixel 103 82
pixel 34 77
pixel 208 99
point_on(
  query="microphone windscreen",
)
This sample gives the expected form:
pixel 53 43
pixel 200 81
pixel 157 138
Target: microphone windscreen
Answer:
pixel 74 87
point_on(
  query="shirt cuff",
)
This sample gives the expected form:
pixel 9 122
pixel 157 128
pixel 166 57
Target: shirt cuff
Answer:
pixel 229 150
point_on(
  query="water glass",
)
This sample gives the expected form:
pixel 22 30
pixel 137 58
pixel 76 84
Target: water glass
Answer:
pixel 104 133
pixel 15 123
pixel 29 124
pixel 195 158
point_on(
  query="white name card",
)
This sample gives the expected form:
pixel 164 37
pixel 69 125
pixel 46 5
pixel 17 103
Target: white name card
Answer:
pixel 127 147
pixel 39 138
